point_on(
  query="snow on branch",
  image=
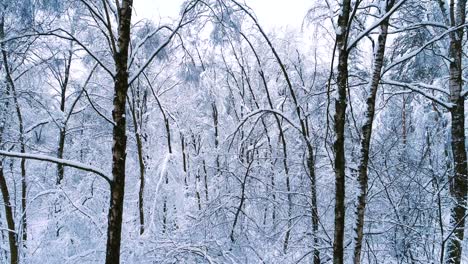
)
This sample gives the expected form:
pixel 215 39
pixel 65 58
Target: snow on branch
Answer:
pixel 420 25
pixel 144 40
pixel 414 87
pixel 376 24
pixel 180 25
pixel 70 36
pixel 64 162
pixel 410 55
pixel 261 112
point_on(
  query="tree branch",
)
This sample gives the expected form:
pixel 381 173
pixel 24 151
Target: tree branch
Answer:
pixel 64 162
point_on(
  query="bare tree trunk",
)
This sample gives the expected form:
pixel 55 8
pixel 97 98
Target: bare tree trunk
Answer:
pixel 12 87
pixel 60 151
pixel 339 125
pixel 205 173
pixel 403 120
pixel 242 200
pixel 313 193
pixel 458 184
pixel 166 181
pixel 63 130
pixel 141 191
pixel 141 163
pixel 216 134
pixel 367 135
pixel 114 230
pixel 289 225
pixel 169 149
pixel 14 256
pixel 9 217
pixel 184 159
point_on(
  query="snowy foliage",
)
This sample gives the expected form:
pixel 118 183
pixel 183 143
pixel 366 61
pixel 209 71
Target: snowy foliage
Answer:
pixel 229 128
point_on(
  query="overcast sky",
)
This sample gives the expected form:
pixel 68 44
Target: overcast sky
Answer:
pixel 271 13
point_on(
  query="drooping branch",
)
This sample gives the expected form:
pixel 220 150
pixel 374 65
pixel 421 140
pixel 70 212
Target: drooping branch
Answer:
pixel 414 53
pixel 64 162
pixel 416 89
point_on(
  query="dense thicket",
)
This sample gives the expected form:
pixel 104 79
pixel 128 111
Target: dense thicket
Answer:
pixel 212 139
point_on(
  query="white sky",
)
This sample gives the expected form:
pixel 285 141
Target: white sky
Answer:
pixel 270 13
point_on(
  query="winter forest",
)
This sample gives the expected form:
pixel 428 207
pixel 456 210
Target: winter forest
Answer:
pixel 209 137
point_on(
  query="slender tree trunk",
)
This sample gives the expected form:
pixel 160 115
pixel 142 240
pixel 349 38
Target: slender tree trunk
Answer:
pixel 205 173
pixel 169 148
pixel 458 184
pixel 197 190
pixel 60 151
pixel 9 214
pixel 242 200
pixel 135 109
pixel 313 201
pixel 403 120
pixel 367 135
pixel 339 125
pixel 184 159
pixel 141 191
pixel 63 130
pixel 141 163
pixel 289 225
pixel 216 134
pixel 12 87
pixel 9 217
pixel 114 231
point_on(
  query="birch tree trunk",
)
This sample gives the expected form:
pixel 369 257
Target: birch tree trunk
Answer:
pixel 458 183
pixel 119 147
pixel 367 135
pixel 339 125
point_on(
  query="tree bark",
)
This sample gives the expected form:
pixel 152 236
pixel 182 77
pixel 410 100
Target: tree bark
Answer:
pixel 63 130
pixel 11 86
pixel 136 107
pixel 313 201
pixel 458 183
pixel 141 163
pixel 367 135
pixel 14 257
pixel 9 217
pixel 114 230
pixel 339 125
pixel 216 134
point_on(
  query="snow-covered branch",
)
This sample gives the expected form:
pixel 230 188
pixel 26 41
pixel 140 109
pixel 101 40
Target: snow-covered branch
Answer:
pixel 353 43
pixel 64 162
pixel 263 111
pixel 181 24
pixel 410 55
pixel 416 89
